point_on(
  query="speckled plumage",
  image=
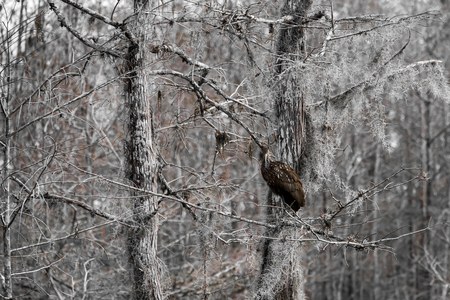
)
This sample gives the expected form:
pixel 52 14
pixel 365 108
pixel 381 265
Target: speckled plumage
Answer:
pixel 282 180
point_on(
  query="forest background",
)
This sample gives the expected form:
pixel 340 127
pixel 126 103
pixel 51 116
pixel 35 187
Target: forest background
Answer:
pixel 129 136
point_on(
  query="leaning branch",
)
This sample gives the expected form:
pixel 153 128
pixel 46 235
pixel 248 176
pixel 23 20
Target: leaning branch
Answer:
pixel 39 269
pixel 53 197
pixel 391 23
pixel 92 210
pixel 41 86
pixel 56 109
pixel 75 33
pixel 341 100
pixel 168 197
pixel 174 49
pixel 30 192
pixel 93 14
pixel 364 193
pixel 201 94
pixel 72 235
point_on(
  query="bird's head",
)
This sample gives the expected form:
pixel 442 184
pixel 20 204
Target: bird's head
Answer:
pixel 265 156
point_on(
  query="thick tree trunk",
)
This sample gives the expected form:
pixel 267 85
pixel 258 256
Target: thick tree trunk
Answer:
pixel 141 168
pixel 289 106
pixel 281 274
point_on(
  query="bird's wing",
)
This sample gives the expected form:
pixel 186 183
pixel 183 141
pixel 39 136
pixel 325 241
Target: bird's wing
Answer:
pixel 289 181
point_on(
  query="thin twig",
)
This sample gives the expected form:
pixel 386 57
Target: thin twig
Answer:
pixel 75 33
pixel 39 269
pixel 72 235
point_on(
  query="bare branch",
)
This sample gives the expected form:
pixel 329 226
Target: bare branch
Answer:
pixel 39 269
pixel 75 33
pixel 92 210
pixel 433 14
pixel 174 49
pixel 56 109
pixel 145 192
pixel 21 206
pixel 93 14
pixel 41 86
pixel 72 235
pixel 341 100
pixel 374 187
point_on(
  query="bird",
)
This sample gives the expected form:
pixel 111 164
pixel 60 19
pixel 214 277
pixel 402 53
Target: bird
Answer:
pixel 282 180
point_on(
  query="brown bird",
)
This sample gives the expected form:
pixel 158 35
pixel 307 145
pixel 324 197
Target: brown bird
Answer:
pixel 282 180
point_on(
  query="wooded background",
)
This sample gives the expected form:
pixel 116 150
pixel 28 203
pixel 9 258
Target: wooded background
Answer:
pixel 129 167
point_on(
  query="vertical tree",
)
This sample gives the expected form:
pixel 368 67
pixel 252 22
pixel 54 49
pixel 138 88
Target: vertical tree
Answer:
pixel 141 156
pixel 5 190
pixel 289 115
pixel 360 78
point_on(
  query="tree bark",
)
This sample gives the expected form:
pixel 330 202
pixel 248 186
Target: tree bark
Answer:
pixel 141 167
pixel 289 106
pixel 281 274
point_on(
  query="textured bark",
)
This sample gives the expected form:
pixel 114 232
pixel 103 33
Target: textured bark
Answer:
pixel 141 169
pixel 281 274
pixel 289 105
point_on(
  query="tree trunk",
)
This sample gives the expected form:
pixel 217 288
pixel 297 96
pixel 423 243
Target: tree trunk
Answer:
pixel 141 167
pixel 289 106
pixel 422 274
pixel 5 192
pixel 376 267
pixel 425 134
pixel 281 274
pixel 445 263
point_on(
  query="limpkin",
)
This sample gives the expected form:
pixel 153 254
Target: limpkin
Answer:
pixel 282 180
